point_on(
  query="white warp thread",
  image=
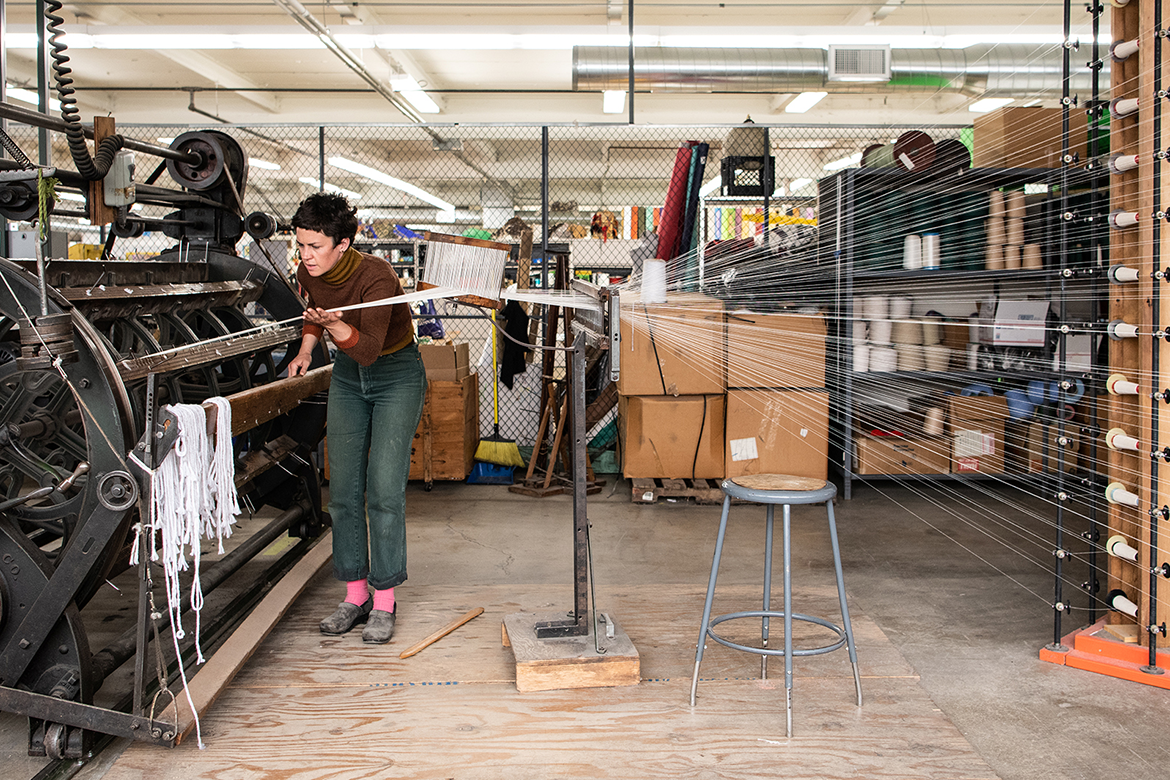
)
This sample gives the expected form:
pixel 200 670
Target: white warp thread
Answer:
pixel 193 496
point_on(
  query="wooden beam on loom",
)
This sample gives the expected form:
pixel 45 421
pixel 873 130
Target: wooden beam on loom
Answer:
pixel 257 405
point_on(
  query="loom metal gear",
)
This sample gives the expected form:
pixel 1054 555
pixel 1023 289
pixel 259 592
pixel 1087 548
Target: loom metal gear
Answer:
pixel 77 349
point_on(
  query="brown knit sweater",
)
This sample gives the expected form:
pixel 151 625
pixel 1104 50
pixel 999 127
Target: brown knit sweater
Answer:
pixel 378 330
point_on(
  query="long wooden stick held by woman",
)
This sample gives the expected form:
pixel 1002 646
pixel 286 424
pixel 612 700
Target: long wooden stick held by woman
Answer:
pixel 442 632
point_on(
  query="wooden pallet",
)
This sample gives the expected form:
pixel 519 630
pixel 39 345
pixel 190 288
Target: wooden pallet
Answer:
pixel 648 491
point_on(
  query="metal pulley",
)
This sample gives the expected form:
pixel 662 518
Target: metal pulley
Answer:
pixel 18 200
pixel 44 339
pixel 220 160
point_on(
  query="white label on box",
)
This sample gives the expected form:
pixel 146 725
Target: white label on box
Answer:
pixel 1021 323
pixel 972 444
pixel 804 433
pixel 744 449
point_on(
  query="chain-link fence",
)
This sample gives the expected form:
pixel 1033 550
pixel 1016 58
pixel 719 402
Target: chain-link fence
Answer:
pixel 597 188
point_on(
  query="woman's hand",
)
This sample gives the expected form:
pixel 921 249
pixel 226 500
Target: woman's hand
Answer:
pixel 330 321
pixel 299 365
pixel 322 317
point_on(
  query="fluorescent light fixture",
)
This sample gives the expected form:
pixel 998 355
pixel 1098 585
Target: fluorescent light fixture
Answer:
pixel 409 88
pixel 71 196
pixel 798 184
pixel 330 188
pixel 444 216
pixel 803 102
pixel 254 162
pixel 542 38
pixel 710 187
pixel 385 178
pixel 613 101
pixel 844 162
pixel 988 104
pixel 29 96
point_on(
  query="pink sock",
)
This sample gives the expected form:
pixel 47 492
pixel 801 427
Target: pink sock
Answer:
pixel 356 592
pixel 384 600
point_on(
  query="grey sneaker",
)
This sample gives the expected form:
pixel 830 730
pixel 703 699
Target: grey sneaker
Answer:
pixel 345 617
pixel 379 627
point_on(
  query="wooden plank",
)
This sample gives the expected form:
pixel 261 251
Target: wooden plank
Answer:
pixel 703 491
pixel 215 675
pixel 258 405
pixel 99 212
pixel 442 632
pixel 569 662
pixel 446 238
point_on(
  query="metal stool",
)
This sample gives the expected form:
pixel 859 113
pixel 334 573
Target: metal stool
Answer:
pixel 772 489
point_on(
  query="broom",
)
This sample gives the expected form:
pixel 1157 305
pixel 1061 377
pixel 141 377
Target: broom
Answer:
pixel 495 448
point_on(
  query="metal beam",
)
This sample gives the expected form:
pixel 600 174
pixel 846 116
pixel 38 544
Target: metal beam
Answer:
pixel 306 19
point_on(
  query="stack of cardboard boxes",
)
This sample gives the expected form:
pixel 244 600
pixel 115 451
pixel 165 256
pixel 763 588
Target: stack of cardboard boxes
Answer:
pixel 448 435
pixel 706 394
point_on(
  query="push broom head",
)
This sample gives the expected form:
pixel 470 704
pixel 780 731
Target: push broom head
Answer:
pixel 502 452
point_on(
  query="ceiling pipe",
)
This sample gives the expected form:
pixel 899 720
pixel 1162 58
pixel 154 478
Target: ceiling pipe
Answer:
pixel 306 19
pixel 1008 70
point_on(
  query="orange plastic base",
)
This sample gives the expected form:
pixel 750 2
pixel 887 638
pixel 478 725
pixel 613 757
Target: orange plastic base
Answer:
pixel 1094 650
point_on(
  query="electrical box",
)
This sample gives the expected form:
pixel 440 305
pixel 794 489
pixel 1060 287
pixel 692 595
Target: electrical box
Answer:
pixel 22 244
pixel 118 184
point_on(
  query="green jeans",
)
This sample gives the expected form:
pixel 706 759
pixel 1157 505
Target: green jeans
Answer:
pixel 373 414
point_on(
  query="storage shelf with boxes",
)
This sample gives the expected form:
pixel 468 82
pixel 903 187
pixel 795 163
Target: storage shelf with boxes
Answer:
pixel 973 323
pixel 708 394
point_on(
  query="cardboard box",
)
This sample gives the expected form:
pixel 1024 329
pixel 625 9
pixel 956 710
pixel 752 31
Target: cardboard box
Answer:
pixel 775 350
pixel 448 434
pixel 1031 446
pixel 901 454
pixel 674 348
pixel 672 438
pixel 777 432
pixel 976 431
pixel 1026 137
pixel 445 362
pixel 1020 323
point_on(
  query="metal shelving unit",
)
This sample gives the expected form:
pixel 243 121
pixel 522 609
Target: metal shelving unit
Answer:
pixel 838 252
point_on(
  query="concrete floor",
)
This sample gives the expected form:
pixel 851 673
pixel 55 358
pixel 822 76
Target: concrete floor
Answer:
pixel 966 611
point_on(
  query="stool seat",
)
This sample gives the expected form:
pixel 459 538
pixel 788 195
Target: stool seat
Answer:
pixel 779 489
pixel 769 490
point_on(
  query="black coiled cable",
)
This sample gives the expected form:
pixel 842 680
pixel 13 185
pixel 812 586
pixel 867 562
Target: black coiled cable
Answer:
pixel 90 168
pixel 14 151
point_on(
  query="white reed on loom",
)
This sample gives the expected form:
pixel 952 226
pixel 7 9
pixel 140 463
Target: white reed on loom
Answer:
pixel 474 270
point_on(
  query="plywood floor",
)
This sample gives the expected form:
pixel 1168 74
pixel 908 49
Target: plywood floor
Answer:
pixel 309 707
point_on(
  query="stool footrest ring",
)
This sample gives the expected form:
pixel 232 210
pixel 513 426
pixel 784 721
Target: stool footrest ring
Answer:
pixel 779 651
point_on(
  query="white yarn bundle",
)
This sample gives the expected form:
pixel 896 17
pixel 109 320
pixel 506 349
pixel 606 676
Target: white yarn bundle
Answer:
pixel 193 495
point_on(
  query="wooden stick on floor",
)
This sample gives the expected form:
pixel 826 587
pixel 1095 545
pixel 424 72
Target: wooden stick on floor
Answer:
pixel 442 632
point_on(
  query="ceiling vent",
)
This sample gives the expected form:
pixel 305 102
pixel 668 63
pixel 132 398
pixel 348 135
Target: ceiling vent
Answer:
pixel 859 63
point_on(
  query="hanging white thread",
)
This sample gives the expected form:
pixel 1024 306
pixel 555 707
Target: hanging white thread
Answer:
pixel 193 496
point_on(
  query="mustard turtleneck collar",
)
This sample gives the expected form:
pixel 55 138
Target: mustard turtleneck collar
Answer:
pixel 346 265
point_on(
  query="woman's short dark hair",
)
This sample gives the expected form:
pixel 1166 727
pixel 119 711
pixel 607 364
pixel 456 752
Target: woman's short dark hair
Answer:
pixel 327 213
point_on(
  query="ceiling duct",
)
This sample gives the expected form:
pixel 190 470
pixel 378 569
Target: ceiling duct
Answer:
pixel 1001 70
